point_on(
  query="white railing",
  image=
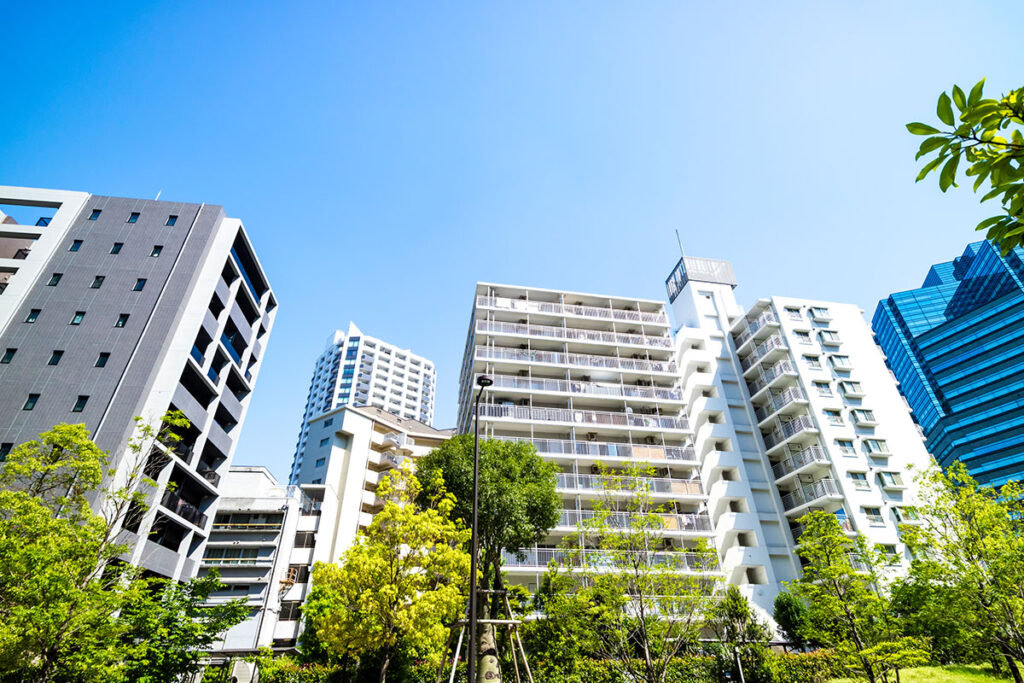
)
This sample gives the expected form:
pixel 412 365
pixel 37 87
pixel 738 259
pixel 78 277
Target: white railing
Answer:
pixel 814 454
pixel 584 360
pixel 540 557
pixel 625 520
pixel 761 350
pixel 598 482
pixel 571 333
pixel 767 376
pixel 766 318
pixel 787 430
pixel 779 401
pixel 810 493
pixel 553 308
pixel 583 417
pixel 593 388
pixel 605 449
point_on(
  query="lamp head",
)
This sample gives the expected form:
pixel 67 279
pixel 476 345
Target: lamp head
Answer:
pixel 484 381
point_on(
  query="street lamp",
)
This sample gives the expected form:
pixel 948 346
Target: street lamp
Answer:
pixel 482 381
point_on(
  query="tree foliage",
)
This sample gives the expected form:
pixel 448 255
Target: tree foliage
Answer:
pixel 987 133
pixel 790 614
pixel 401 583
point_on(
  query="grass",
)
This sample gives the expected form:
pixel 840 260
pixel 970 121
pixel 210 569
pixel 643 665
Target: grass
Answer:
pixel 942 674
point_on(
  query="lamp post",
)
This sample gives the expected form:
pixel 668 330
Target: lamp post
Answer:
pixel 482 381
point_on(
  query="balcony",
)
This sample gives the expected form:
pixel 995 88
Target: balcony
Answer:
pixel 237 561
pixel 552 308
pixel 184 509
pixel 586 388
pixel 624 484
pixel 845 523
pixel 246 526
pixel 580 360
pixel 755 326
pixel 603 449
pixel 539 558
pixel 800 461
pixel 810 494
pixel 691 523
pixel 788 430
pixel 778 402
pixel 769 348
pixel 209 475
pixel 583 417
pixel 769 376
pixel 571 334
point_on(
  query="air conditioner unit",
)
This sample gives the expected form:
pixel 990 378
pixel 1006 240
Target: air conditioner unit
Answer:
pixel 591 436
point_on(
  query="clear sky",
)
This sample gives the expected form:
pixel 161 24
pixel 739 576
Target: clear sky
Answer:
pixel 385 156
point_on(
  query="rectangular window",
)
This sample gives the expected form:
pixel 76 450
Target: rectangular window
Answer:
pixel 30 403
pixel 75 246
pixel 823 388
pixel 834 417
pixel 890 480
pixel 820 313
pixel 860 481
pixel 140 284
pixel 122 320
pixel 97 282
pixel 851 389
pixel 8 356
pixel 830 337
pixel 77 318
pixel 328 422
pixel 318 481
pixel 803 337
pixel 889 553
pixel 874 516
pixel 320 462
pixel 863 417
pixel 305 539
pixel 55 357
pixel 33 315
pixel 840 362
pixel 5 449
pixel 133 217
pixel 171 220
pixel 95 214
pixel 324 442
pixel 875 446
pixel 157 248
pixel 54 279
pixel 80 404
pixel 793 313
pixel 101 360
pixel 116 249
pixel 813 362
pixel 905 513
pixel 846 446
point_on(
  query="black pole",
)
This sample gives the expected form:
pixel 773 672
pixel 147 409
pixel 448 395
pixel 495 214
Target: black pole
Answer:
pixel 471 664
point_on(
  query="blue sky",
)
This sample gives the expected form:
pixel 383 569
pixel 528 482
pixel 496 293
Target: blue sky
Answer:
pixel 386 156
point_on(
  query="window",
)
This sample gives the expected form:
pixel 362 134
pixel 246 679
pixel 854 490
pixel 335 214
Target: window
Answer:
pixel 890 480
pixel 889 553
pixel 318 481
pixel 840 362
pixel 874 516
pixel 5 449
pixel 140 284
pixel 803 337
pixel 171 220
pixel 8 356
pixel 101 360
pixel 133 217
pixel 813 362
pixel 846 446
pixel 75 246
pixel 30 403
pixel 328 422
pixel 157 248
pixel 820 313
pixel 860 481
pixel 54 279
pixel 116 249
pixel 95 214
pixel 851 389
pixel 77 318
pixel 324 442
pixel 793 313
pixel 33 315
pixel 875 446
pixel 834 417
pixel 305 539
pixel 55 357
pixel 905 513
pixel 80 404
pixel 830 337
pixel 863 417
pixel 122 320
pixel 97 282
pixel 289 611
pixel 823 388
pixel 320 462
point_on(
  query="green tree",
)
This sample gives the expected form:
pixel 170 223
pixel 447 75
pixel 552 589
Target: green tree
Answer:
pixel 790 613
pixel 741 634
pixel 969 543
pixel 843 586
pixel 517 500
pixel 987 133
pixel 638 603
pixel 399 585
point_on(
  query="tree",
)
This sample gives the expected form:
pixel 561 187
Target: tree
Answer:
pixel 843 586
pixel 995 158
pixel 789 614
pixel 399 585
pixel 517 500
pixel 638 604
pixel 970 546
pixel 741 634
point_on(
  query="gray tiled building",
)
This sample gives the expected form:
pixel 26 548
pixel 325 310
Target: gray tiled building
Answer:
pixel 112 308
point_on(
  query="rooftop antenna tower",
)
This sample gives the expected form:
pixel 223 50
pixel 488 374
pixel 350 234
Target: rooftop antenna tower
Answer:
pixel 681 252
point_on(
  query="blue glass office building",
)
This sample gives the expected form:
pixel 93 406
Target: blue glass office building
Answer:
pixel 956 344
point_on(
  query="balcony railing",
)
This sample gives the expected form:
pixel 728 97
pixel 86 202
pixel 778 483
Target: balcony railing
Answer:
pixel 761 350
pixel 246 526
pixel 844 523
pixel 808 494
pixel 597 482
pixel 583 417
pixel 236 561
pixel 625 520
pixel 778 402
pixel 552 308
pixel 766 318
pixel 787 430
pixel 592 388
pixel 603 449
pixel 583 360
pixel 571 333
pixel 814 454
pixel 769 375
pixel 540 557
pixel 184 509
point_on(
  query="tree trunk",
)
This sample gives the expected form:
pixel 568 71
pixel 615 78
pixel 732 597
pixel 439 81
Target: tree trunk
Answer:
pixel 1011 665
pixel 384 668
pixel 488 669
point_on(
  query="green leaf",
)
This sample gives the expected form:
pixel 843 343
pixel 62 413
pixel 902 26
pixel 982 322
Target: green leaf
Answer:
pixel 944 110
pixel 929 145
pixel 922 129
pixel 958 98
pixel 981 178
pixel 948 173
pixel 975 95
pixel 928 168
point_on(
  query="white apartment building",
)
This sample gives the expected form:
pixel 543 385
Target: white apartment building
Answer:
pixel 818 418
pixel 359 370
pixel 590 380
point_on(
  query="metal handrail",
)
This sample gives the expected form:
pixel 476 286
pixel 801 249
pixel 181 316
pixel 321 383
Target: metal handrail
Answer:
pixel 598 482
pixel 779 401
pixel 811 492
pixel 505 303
pixel 540 557
pixel 626 520
pixel 596 388
pixel 570 333
pixel 578 359
pixel 608 449
pixel 583 417
pixel 788 429
pixel 814 454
